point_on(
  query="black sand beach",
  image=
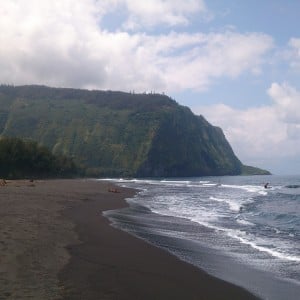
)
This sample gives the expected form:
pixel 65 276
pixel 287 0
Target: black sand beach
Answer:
pixel 55 244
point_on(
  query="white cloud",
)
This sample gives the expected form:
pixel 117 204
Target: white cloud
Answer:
pixel 294 53
pixel 287 102
pixel 143 15
pixel 60 43
pixel 251 132
pixel 213 56
pixel 155 12
pixel 47 42
pixel 262 134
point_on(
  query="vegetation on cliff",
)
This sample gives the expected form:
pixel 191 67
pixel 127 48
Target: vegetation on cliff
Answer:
pixel 248 170
pixel 26 159
pixel 116 133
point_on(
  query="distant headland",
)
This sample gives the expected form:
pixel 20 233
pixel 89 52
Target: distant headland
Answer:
pixel 117 134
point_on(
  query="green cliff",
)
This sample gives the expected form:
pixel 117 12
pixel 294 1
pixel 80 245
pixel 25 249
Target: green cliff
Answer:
pixel 116 133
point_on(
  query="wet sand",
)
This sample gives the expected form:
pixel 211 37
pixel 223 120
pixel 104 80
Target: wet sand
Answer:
pixel 55 244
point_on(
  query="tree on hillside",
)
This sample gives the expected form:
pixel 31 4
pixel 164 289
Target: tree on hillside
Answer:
pixel 24 158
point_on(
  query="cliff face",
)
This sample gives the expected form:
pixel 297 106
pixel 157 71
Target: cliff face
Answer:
pixel 187 145
pixel 116 133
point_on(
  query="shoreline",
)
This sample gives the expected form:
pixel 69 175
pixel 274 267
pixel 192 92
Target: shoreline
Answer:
pixel 126 267
pixel 56 244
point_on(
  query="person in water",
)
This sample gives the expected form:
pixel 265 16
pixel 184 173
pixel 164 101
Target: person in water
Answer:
pixel 266 185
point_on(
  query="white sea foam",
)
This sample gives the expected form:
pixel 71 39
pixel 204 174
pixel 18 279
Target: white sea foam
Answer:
pixel 236 234
pixel 194 185
pixel 244 222
pixel 197 208
pixel 264 193
pixel 248 188
pixel 176 208
pixel 209 184
pixel 182 182
pixel 277 231
pixel 241 237
pixel 208 218
pixel 233 205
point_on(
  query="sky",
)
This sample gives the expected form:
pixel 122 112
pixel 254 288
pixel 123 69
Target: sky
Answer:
pixel 236 62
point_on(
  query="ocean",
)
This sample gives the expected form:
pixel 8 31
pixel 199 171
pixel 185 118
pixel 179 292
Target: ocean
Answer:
pixel 232 227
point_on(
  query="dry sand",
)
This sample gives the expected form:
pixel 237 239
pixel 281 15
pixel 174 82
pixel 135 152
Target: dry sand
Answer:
pixel 55 244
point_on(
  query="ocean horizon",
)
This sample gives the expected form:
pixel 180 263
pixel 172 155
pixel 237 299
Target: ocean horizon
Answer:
pixel 232 227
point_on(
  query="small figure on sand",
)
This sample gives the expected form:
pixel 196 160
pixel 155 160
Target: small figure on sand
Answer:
pixel 113 190
pixel 266 185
